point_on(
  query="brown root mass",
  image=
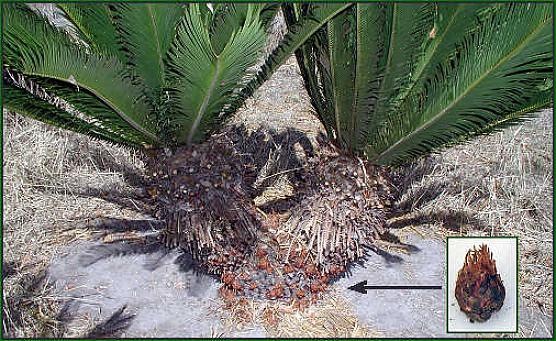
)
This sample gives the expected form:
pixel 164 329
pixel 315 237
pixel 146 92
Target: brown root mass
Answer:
pixel 479 288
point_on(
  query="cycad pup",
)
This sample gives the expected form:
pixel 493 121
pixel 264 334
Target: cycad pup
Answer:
pixel 479 288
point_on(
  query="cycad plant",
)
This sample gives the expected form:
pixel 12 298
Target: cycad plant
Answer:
pixel 160 78
pixel 392 82
pixel 389 82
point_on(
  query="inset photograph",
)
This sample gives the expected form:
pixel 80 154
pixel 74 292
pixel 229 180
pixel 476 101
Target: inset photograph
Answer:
pixel 482 285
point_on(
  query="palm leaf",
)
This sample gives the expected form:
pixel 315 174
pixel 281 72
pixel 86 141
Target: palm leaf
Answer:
pixel 425 76
pixel 404 37
pixel 521 114
pixel 205 79
pixel 496 72
pixel 228 16
pixel 35 48
pixel 95 26
pixel 147 32
pixel 96 111
pixel 298 34
pixel 451 23
pixel 311 69
pixel 370 53
pixel 342 57
pixel 23 102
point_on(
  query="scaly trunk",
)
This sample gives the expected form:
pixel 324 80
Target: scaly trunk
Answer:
pixel 206 196
pixel 343 210
pixel 203 194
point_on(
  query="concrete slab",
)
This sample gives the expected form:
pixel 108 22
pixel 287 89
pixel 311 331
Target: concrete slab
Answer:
pixel 401 313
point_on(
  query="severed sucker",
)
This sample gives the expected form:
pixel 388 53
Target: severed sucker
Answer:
pixel 479 288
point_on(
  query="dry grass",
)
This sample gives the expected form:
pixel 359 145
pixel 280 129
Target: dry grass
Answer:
pixel 51 181
pixel 331 317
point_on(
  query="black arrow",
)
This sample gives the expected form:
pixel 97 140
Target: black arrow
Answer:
pixel 362 287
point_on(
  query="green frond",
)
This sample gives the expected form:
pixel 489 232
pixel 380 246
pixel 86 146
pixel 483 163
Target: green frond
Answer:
pixel 268 12
pixel 313 69
pixel 205 79
pixel 406 32
pixel 297 35
pixel 94 110
pixel 225 20
pixel 451 23
pixel 495 73
pixel 342 56
pixel 425 76
pixel 228 16
pixel 147 32
pixel 370 51
pixel 35 48
pixel 522 113
pixel 519 116
pixel 23 102
pixel 95 26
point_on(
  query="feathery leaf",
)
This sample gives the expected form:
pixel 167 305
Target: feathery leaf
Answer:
pixel 205 79
pixel 298 34
pixel 23 102
pixel 498 69
pixel 95 26
pixel 147 32
pixel 35 48
pixel 428 75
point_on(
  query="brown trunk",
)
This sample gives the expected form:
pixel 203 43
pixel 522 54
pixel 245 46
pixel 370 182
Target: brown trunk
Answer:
pixel 205 194
pixel 343 211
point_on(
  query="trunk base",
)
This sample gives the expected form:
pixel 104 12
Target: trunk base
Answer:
pixel 202 193
pixel 343 211
pixel 205 194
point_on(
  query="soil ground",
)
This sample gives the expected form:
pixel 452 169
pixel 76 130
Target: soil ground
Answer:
pixel 65 193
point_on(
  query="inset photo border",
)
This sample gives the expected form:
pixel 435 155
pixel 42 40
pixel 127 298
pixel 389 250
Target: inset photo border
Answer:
pixel 504 251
